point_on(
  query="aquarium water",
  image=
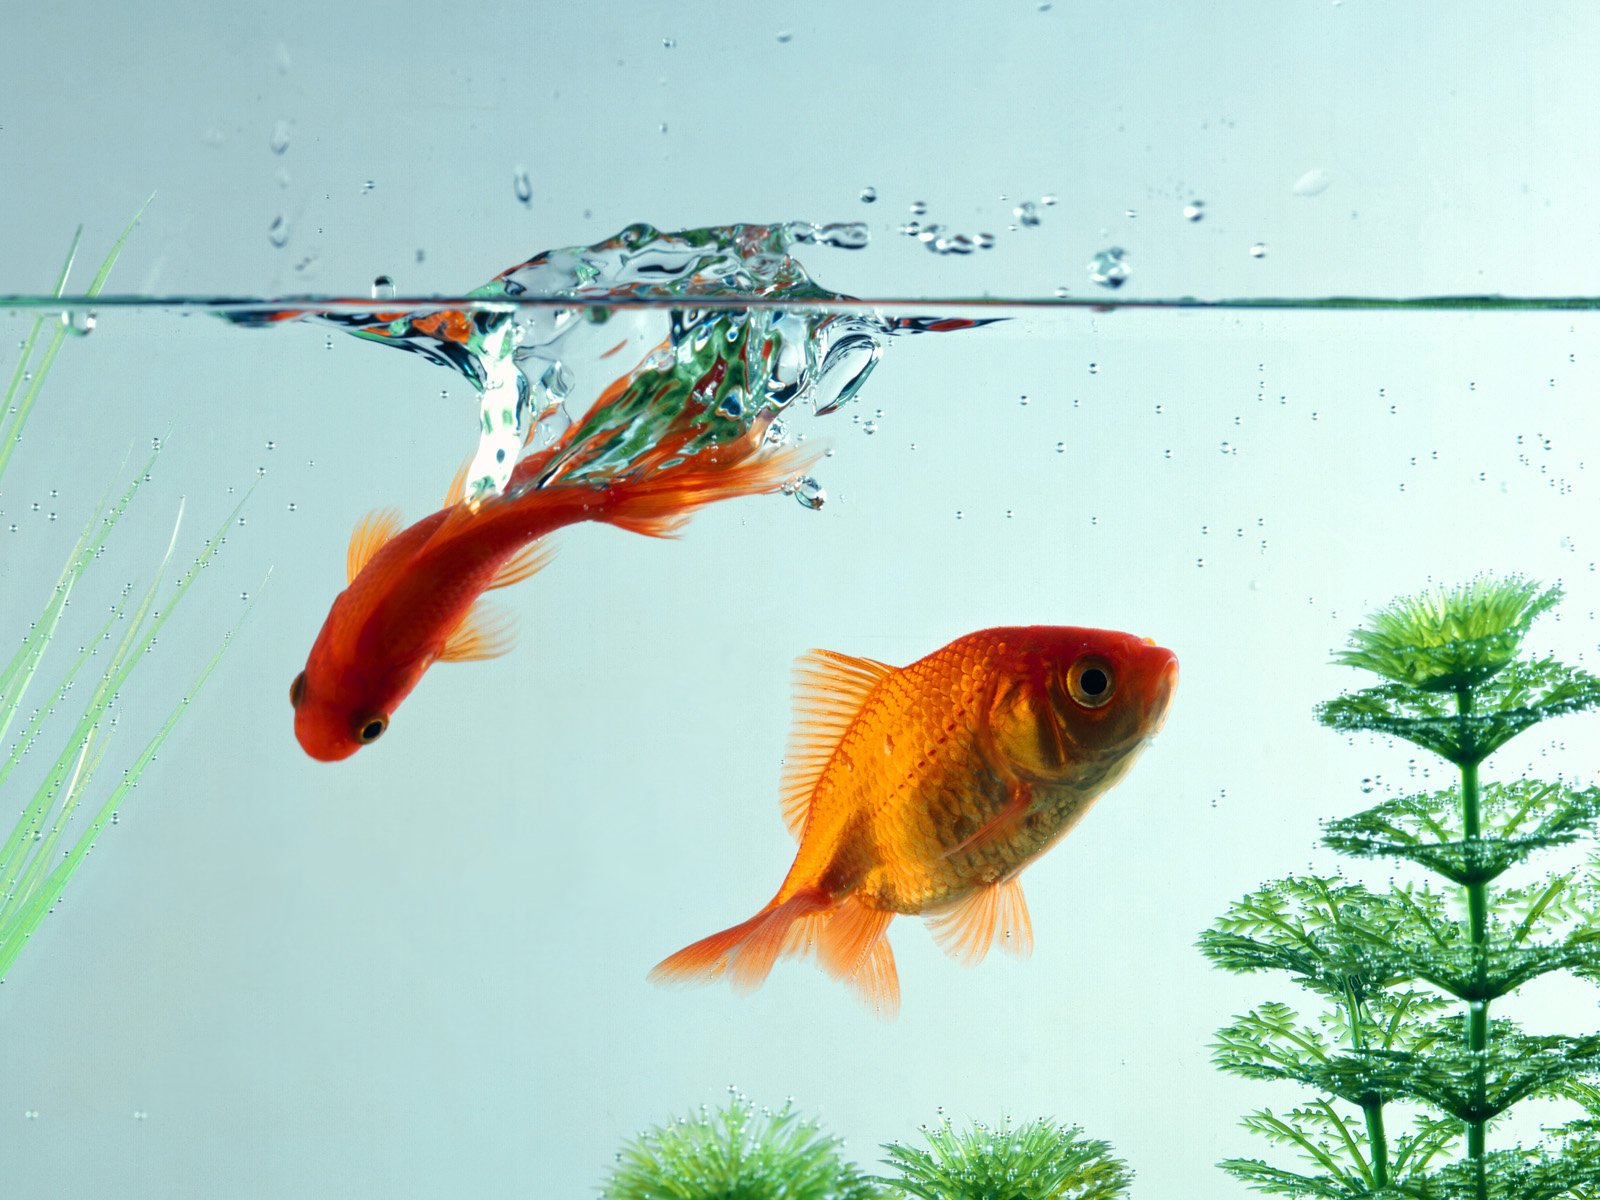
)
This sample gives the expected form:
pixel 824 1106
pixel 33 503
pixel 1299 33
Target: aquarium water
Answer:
pixel 1219 326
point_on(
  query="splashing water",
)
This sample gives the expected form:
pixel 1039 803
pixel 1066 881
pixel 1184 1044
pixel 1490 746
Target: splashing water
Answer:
pixel 704 376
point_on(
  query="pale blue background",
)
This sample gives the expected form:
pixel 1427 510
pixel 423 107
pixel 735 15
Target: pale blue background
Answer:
pixel 421 972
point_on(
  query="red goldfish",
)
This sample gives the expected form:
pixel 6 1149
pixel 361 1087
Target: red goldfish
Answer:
pixel 414 596
pixel 926 790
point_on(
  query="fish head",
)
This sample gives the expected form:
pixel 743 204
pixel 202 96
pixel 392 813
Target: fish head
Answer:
pixel 340 703
pixel 1067 697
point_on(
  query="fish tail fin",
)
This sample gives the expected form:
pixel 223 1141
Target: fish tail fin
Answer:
pixel 657 502
pixel 746 952
pixel 851 946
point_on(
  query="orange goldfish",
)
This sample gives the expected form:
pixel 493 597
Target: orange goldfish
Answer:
pixel 414 597
pixel 926 790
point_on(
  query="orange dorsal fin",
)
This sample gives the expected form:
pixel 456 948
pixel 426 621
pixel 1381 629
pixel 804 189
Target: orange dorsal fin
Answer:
pixel 458 484
pixel 967 928
pixel 829 690
pixel 484 632
pixel 851 946
pixel 530 560
pixel 368 537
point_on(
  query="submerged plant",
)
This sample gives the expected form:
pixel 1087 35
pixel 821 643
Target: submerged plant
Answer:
pixel 737 1153
pixel 1037 1161
pixel 50 838
pixel 1410 1068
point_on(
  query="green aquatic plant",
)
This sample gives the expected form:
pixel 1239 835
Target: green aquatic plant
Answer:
pixel 51 836
pixel 1037 1161
pixel 737 1152
pixel 1410 1068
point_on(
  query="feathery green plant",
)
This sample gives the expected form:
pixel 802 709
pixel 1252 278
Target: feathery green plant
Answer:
pixel 1037 1161
pixel 43 849
pixel 1410 1067
pixel 737 1153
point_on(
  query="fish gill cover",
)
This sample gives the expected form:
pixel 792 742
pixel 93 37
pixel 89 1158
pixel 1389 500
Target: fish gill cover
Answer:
pixel 720 329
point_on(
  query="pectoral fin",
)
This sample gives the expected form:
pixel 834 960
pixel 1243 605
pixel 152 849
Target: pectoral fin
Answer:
pixel 484 632
pixel 966 929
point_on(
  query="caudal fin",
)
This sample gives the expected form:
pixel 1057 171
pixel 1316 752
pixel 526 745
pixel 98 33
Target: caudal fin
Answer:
pixel 744 953
pixel 847 937
pixel 659 502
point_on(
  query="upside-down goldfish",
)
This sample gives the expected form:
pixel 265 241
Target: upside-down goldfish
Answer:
pixel 414 596
pixel 926 789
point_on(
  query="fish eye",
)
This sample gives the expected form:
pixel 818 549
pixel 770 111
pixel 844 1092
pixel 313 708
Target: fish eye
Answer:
pixel 1091 681
pixel 297 690
pixel 372 729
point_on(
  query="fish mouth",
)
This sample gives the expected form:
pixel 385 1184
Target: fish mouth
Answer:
pixel 1158 701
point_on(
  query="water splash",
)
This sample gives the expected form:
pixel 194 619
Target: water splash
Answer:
pixel 701 376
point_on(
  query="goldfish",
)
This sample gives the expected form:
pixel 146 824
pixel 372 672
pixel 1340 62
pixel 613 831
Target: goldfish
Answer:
pixel 925 790
pixel 414 596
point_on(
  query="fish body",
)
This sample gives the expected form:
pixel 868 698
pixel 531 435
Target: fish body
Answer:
pixel 414 595
pixel 926 789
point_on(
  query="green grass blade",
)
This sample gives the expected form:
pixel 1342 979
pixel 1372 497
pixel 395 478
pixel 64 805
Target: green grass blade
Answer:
pixel 12 432
pixel 14 933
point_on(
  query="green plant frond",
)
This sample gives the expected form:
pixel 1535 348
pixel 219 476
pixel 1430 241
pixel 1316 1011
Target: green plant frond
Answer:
pixel 1468 1085
pixel 1275 1181
pixel 1520 696
pixel 1270 1042
pixel 13 412
pixel 737 1153
pixel 1329 934
pixel 40 898
pixel 1429 1138
pixel 1041 1160
pixel 1517 819
pixel 59 823
pixel 1518 1175
pixel 1449 638
pixel 1319 1136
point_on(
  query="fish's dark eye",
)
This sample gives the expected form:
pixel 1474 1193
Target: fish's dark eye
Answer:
pixel 372 729
pixel 1091 682
pixel 297 690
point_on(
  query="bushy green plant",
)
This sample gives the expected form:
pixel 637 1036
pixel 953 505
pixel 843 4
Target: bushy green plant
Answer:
pixel 50 837
pixel 737 1153
pixel 1409 1067
pixel 1037 1161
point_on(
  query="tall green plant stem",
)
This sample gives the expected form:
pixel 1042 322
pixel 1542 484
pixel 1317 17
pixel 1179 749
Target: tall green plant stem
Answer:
pixel 1371 1109
pixel 1478 921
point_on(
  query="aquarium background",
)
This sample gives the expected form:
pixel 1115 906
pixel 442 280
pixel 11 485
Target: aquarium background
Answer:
pixel 422 971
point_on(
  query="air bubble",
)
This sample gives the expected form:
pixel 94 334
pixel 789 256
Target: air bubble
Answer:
pixel 1026 213
pixel 1313 183
pixel 278 231
pixel 869 195
pixel 919 208
pixel 1195 210
pixel 1258 250
pixel 523 186
pixel 279 141
pixel 785 37
pixel 383 288
pixel 808 492
pixel 78 322
pixel 1110 268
